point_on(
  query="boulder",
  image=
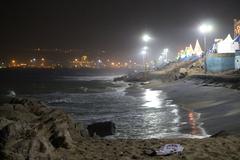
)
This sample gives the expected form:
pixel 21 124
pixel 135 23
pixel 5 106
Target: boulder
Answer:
pixel 31 130
pixel 61 139
pixel 14 131
pixel 122 78
pixel 182 73
pixel 101 129
pixel 4 122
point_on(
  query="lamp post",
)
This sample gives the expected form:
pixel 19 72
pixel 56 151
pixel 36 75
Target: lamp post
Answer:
pixel 144 52
pixel 205 29
pixel 145 38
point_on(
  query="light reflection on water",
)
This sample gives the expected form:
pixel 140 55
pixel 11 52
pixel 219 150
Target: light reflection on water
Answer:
pixel 165 121
pixel 152 99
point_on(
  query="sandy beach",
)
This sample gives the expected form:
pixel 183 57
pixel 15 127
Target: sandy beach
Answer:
pixel 31 130
pixel 217 105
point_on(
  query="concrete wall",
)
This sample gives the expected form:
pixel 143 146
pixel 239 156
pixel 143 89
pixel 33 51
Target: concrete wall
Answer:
pixel 220 62
pixel 237 60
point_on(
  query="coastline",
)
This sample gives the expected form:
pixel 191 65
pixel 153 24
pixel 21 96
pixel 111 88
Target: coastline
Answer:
pixel 40 132
pixel 206 100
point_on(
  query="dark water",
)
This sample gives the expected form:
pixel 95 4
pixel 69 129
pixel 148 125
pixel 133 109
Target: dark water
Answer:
pixel 91 96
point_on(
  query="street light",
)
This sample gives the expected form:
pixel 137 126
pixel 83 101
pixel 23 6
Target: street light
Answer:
pixel 143 52
pixel 146 38
pixel 145 48
pixel 205 29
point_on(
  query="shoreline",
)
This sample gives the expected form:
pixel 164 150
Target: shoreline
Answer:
pixel 206 100
pixel 40 132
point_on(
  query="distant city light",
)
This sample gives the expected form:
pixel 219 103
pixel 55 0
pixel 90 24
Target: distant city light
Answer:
pixel 13 61
pixel 34 59
pixel 75 59
pixel 43 59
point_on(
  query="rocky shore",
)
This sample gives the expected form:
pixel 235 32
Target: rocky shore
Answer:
pixel 31 130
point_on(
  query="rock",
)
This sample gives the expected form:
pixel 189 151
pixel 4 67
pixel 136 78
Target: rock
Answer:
pixel 61 139
pixel 4 122
pixel 82 130
pixel 11 94
pixel 182 73
pixel 14 131
pixel 31 130
pixel 20 107
pixel 7 107
pixel 122 78
pixel 101 129
pixel 138 77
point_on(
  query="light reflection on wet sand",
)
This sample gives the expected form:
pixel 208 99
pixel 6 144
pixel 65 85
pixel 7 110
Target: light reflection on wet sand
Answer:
pixel 168 122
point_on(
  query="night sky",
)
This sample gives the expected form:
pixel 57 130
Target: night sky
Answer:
pixel 114 26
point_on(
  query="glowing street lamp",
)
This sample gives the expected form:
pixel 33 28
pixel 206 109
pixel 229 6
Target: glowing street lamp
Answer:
pixel 143 52
pixel 146 38
pixel 205 29
pixel 145 48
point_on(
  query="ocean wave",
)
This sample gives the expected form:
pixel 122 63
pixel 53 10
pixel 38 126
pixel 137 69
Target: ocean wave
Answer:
pixel 60 100
pixel 89 78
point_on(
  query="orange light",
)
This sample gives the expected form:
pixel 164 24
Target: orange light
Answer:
pixel 13 61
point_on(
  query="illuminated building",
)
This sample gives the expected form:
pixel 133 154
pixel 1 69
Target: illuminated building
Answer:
pixel 2 65
pixel 83 62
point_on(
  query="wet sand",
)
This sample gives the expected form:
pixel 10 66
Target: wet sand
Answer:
pixel 219 107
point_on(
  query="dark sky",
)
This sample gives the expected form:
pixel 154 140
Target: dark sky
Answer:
pixel 111 25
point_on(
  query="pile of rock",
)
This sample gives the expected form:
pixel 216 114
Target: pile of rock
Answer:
pixel 134 77
pixel 30 130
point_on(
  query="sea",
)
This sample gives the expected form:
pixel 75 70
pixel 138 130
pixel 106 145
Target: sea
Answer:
pixel 91 95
